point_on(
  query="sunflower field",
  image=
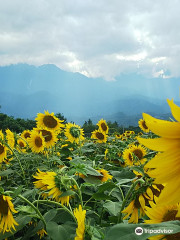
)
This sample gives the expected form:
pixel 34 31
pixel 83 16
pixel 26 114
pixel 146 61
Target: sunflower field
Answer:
pixel 57 184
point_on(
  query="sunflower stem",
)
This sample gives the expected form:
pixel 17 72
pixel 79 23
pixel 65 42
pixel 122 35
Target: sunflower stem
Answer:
pixel 58 204
pixel 127 196
pixel 23 175
pixel 121 192
pixel 79 191
pixel 36 209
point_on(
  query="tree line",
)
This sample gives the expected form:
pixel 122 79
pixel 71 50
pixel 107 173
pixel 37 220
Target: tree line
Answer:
pixel 18 125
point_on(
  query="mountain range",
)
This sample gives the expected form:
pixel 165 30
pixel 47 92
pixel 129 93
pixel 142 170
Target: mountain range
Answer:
pixel 27 90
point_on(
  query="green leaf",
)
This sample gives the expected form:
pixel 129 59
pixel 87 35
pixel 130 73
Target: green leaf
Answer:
pixel 22 221
pixel 6 172
pixel 26 209
pixel 67 193
pixel 92 180
pixel 106 186
pixel 113 207
pixel 48 216
pixel 122 181
pixel 92 171
pixel 56 231
pixel 17 191
pixel 26 194
pixel 101 196
pixel 124 174
pixel 62 216
pixel 127 231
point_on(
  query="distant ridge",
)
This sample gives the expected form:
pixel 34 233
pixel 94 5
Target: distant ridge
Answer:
pixel 26 90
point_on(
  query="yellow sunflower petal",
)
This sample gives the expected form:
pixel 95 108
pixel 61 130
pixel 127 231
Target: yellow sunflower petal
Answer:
pixel 162 128
pixel 160 144
pixel 142 201
pixel 169 193
pixel 175 110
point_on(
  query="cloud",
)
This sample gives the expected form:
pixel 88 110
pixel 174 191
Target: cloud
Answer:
pixel 97 38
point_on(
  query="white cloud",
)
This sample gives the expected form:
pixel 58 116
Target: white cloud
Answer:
pixel 97 38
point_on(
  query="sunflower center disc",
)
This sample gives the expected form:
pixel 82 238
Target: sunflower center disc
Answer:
pixel 144 125
pixel 27 135
pixel 47 135
pixel 49 122
pixel 38 142
pixel 171 215
pixel 21 144
pixel 138 153
pixel 104 127
pixel 3 206
pixel 1 149
pixel 100 136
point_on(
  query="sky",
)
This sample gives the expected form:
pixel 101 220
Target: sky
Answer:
pixel 98 38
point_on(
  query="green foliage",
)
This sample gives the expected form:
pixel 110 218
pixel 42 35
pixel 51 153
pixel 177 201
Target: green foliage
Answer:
pixel 16 125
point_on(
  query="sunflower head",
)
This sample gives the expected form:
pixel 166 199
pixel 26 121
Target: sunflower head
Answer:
pixel 74 133
pixel 158 214
pixel 50 136
pixel 26 134
pixel 99 136
pixel 52 184
pixel 49 121
pixel 7 221
pixel 128 157
pixel 118 136
pixel 134 155
pixel 143 126
pixel 36 142
pixel 103 126
pixel 21 144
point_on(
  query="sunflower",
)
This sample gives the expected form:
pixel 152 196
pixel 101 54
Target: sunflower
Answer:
pixel 105 175
pixel 49 181
pixel 136 208
pixel 74 133
pixel 80 216
pixel 36 142
pixel 10 138
pixel 129 132
pixel 7 221
pixel 49 121
pixel 3 152
pixel 138 154
pixel 158 214
pixel 99 136
pixel 118 136
pixel 22 144
pixel 26 134
pixel 166 165
pixel 103 126
pixel 50 136
pixel 143 126
pixel 134 155
pixel 128 157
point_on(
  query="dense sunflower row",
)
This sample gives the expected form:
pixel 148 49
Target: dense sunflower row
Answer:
pixel 54 178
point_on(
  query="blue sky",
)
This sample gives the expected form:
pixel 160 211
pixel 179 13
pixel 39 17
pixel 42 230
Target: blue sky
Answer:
pixel 98 38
